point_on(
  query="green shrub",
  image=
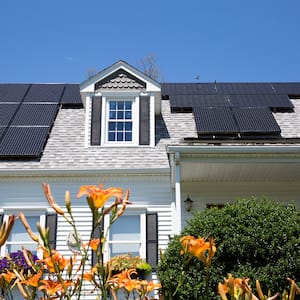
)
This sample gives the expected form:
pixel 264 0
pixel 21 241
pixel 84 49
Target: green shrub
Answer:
pixel 255 238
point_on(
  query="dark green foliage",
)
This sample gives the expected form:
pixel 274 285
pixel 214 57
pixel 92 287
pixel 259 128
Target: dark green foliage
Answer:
pixel 255 238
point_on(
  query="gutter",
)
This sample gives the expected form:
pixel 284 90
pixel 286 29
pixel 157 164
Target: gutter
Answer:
pixel 292 150
pixel 81 172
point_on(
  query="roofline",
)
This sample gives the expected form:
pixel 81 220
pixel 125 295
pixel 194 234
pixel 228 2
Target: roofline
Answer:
pixel 293 150
pixel 81 172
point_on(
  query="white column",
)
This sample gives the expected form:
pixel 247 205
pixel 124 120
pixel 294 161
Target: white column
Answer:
pixel 177 221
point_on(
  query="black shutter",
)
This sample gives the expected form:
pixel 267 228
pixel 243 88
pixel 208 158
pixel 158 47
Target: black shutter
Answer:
pixel 1 218
pixel 152 239
pixel 96 120
pixel 97 235
pixel 144 120
pixel 51 223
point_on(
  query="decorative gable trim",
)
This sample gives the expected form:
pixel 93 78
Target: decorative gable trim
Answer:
pixel 120 79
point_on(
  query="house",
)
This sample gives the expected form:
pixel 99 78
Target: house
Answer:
pixel 210 142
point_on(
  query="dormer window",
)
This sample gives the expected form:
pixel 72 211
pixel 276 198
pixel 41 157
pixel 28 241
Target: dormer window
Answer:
pixel 120 121
pixel 121 104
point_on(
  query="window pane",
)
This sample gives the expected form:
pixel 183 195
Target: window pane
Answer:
pixel 112 115
pixel 120 126
pixel 15 247
pixel 111 126
pixel 128 136
pixel 128 105
pixel 112 105
pixel 19 234
pixel 120 115
pixel 128 114
pixel 126 228
pixel 128 126
pixel 120 105
pixel 111 136
pixel 118 249
pixel 119 136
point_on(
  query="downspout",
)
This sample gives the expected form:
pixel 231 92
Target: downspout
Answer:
pixel 177 220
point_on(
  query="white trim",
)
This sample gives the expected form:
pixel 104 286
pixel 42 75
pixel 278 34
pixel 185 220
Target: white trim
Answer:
pixel 177 225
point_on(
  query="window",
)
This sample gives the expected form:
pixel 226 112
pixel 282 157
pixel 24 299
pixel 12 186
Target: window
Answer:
pixel 120 121
pixel 18 236
pixel 127 235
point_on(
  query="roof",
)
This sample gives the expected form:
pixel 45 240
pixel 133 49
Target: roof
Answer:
pixel 235 111
pixel 61 130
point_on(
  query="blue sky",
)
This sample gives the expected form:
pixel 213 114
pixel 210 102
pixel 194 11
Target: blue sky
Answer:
pixel 222 40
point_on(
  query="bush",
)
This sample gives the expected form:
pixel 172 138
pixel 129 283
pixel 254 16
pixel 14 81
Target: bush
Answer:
pixel 255 238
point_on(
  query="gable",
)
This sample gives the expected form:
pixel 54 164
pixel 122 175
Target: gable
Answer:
pixel 120 79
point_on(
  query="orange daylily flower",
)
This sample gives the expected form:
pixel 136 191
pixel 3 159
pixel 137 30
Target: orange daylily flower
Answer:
pixel 198 247
pixel 9 276
pixel 130 284
pixel 94 244
pixel 34 280
pixel 88 276
pixel 52 287
pixel 54 259
pixel 236 287
pixel 97 196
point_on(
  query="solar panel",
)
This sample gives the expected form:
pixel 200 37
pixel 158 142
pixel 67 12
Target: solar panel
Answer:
pixel 258 121
pixel 270 101
pixel 35 114
pixel 6 112
pixel 45 93
pixel 214 121
pixel 288 88
pixel 188 88
pixel 185 101
pixel 12 92
pixel 23 141
pixel 244 88
pixel 2 130
pixel 71 95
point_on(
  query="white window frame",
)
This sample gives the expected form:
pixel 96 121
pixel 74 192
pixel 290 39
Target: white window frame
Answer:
pixel 134 212
pixel 120 96
pixel 41 214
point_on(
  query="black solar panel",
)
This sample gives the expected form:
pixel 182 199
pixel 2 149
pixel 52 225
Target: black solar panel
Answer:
pixel 71 95
pixel 199 101
pixel 256 121
pixel 214 121
pixel 7 111
pixel 188 88
pixel 36 114
pixel 270 101
pixel 12 92
pixel 23 141
pixel 288 88
pixel 2 130
pixel 45 93
pixel 244 88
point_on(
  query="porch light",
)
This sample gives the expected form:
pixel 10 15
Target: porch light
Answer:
pixel 188 203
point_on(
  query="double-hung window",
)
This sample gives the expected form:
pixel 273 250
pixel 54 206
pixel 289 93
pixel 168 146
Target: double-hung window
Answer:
pixel 18 236
pixel 127 235
pixel 120 121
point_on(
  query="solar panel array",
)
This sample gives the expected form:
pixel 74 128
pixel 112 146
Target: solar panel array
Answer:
pixel 233 109
pixel 27 114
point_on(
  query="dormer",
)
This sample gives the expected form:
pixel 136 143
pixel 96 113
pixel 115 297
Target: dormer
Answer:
pixel 121 103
